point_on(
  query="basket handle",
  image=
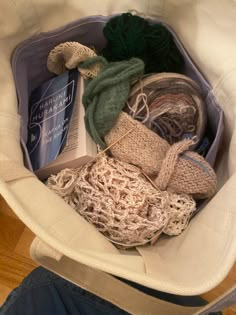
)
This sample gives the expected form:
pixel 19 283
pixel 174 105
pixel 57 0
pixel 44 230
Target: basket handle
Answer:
pixel 117 292
pixel 11 170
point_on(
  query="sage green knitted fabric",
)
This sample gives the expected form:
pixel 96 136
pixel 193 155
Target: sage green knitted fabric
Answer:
pixel 105 95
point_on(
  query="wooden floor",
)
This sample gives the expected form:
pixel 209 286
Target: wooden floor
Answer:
pixel 15 240
pixel 15 262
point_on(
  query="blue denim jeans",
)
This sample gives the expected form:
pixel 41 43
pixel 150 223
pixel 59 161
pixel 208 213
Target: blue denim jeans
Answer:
pixel 44 293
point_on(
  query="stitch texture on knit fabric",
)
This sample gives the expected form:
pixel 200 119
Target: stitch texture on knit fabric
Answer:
pixel 69 55
pixel 145 149
pixel 105 96
pixel 121 203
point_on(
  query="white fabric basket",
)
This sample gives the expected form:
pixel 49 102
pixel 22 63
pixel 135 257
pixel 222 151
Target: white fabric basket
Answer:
pixel 198 259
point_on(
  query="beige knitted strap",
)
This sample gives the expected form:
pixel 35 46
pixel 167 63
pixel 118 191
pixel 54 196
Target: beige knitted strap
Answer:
pixel 169 163
pixel 10 171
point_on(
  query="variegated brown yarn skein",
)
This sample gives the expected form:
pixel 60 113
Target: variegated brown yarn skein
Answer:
pixel 169 104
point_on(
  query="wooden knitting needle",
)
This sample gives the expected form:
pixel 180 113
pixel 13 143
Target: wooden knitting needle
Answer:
pixel 111 145
pixel 150 180
pixel 124 135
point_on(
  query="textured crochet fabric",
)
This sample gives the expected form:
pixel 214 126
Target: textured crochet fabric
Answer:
pixel 105 96
pixel 69 55
pixel 171 167
pixel 121 203
pixel 169 104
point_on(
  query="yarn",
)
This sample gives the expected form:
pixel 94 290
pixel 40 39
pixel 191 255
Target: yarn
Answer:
pixel 172 167
pixel 69 55
pixel 169 104
pixel 106 95
pixel 125 36
pixel 132 36
pixel 119 201
pixel 180 210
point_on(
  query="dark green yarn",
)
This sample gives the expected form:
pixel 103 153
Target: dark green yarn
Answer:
pixel 125 37
pixel 105 95
pixel 132 36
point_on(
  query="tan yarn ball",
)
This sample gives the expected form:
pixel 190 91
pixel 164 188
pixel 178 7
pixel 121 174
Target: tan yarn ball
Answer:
pixel 171 167
pixel 68 55
pixel 121 203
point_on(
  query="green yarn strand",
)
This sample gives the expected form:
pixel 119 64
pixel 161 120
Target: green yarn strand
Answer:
pixel 105 95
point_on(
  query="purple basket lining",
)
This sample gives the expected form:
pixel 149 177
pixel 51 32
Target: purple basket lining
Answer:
pixel 30 70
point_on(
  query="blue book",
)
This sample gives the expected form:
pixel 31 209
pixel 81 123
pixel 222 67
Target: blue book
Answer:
pixel 50 112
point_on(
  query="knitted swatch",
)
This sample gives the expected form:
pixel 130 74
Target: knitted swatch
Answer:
pixel 69 55
pixel 105 96
pixel 130 36
pixel 174 167
pixel 119 201
pixel 169 104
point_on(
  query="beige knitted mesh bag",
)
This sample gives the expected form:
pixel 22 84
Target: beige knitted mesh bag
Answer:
pixel 122 204
pixel 68 55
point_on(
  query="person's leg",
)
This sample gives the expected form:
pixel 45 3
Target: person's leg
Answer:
pixel 44 293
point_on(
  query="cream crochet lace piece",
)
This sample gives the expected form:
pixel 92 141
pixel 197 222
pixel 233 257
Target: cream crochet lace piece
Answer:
pixel 121 203
pixel 68 55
